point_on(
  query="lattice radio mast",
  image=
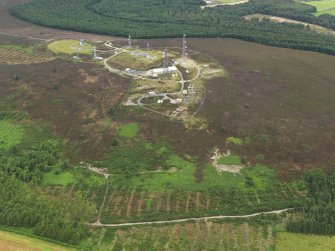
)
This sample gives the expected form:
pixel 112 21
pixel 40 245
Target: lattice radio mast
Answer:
pixel 184 53
pixel 130 44
pixel 166 61
pixel 94 53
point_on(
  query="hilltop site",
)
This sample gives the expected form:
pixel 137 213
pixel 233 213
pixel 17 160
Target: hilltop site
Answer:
pixel 206 135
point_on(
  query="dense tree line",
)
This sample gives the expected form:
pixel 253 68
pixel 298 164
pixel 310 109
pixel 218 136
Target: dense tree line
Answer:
pixel 23 205
pixel 30 164
pixel 173 18
pixel 317 215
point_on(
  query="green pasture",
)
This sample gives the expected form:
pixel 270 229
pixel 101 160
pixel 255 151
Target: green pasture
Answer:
pixel 70 46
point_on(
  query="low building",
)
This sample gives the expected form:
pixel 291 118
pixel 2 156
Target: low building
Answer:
pixel 159 71
pixel 176 101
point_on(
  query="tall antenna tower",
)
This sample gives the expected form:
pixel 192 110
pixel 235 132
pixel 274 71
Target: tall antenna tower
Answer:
pixel 184 53
pixel 94 53
pixel 77 52
pixel 166 61
pixel 129 42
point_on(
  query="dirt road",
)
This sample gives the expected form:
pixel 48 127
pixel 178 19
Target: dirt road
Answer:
pixel 98 224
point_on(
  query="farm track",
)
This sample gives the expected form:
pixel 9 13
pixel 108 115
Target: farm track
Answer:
pixel 218 217
pixel 16 35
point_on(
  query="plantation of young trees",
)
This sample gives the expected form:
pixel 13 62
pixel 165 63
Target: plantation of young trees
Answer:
pixel 317 215
pixel 162 18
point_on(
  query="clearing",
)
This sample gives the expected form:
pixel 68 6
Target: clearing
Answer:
pixel 287 20
pixel 128 130
pixel 53 178
pixel 70 46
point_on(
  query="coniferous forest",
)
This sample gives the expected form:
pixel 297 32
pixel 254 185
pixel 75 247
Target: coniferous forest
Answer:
pixel 161 18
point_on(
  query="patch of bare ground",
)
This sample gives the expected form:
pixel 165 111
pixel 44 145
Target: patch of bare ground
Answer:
pixel 235 169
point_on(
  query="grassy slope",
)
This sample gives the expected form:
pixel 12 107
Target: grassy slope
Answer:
pixel 12 242
pixel 296 242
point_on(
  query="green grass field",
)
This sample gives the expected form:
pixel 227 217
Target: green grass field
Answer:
pixel 15 242
pixel 129 131
pixel 70 46
pixel 298 242
pixel 323 6
pixel 10 134
pixel 63 179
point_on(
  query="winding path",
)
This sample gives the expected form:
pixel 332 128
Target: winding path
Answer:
pixel 98 224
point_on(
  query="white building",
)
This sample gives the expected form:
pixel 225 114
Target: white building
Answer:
pixel 159 71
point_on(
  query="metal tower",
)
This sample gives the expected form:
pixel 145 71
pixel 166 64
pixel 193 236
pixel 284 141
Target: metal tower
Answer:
pixel 166 61
pixel 184 53
pixel 94 53
pixel 148 46
pixel 78 51
pixel 129 42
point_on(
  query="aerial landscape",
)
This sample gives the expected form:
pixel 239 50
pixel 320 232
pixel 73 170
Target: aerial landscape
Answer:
pixel 167 125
